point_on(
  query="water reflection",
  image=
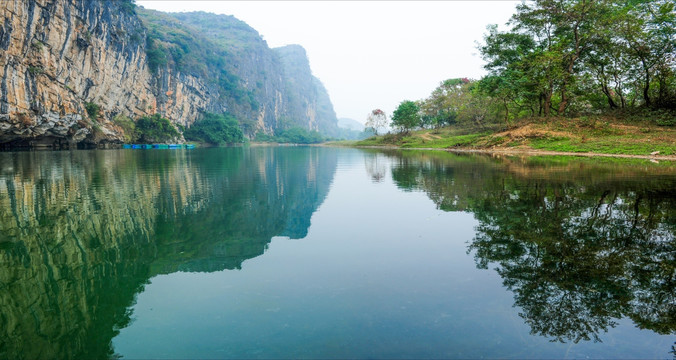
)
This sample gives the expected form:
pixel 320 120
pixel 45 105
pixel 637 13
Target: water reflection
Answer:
pixel 375 164
pixel 581 243
pixel 82 232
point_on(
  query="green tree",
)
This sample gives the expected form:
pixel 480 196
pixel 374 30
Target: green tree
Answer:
pixel 215 129
pixel 406 116
pixel 441 107
pixel 562 57
pixel 155 128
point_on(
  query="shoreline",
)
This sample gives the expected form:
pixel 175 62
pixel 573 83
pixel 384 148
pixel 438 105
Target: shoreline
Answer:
pixel 527 152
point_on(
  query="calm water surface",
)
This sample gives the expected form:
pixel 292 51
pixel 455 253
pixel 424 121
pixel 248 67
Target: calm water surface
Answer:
pixel 332 253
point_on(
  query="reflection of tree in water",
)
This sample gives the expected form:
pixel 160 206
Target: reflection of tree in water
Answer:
pixel 577 258
pixel 376 165
pixel 578 254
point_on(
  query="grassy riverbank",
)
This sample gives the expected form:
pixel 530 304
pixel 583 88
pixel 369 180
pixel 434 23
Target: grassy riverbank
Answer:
pixel 580 135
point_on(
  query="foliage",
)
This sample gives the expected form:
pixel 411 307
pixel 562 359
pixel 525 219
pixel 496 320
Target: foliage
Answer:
pixel 127 6
pixel 36 70
pixel 155 128
pixel 294 135
pixel 92 110
pixel 406 116
pixel 157 55
pixel 215 129
pixel 376 120
pixel 349 134
pixel 570 60
pixel 179 41
pixel 575 57
pixel 127 125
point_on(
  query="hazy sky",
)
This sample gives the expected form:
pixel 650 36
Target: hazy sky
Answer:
pixel 370 54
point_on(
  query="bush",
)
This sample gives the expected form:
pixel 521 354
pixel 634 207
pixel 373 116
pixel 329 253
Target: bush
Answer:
pixel 127 125
pixel 294 135
pixel 215 129
pixel 155 129
pixel 298 135
pixel 92 110
pixel 156 54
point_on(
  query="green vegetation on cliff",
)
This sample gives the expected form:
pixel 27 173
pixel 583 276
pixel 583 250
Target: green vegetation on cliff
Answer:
pixel 215 129
pixel 294 135
pixel 155 129
pixel 244 76
pixel 172 41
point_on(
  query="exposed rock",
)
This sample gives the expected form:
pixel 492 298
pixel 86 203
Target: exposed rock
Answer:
pixel 59 55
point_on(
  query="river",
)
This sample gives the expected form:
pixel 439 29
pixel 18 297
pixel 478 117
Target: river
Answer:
pixel 318 252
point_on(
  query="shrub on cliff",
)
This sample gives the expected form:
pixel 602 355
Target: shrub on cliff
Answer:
pixel 155 129
pixel 92 110
pixel 127 125
pixel 215 129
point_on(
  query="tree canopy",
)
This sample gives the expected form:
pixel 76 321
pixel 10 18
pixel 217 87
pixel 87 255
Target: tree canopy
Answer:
pixel 564 58
pixel 567 57
pixel 215 129
pixel 406 116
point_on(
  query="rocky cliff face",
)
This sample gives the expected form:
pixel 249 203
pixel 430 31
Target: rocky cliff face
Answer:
pixel 57 56
pixel 313 103
pixel 274 87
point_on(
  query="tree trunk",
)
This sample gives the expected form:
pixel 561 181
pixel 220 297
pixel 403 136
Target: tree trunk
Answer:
pixel 564 99
pixel 606 91
pixel 506 111
pixel 618 90
pixel 646 85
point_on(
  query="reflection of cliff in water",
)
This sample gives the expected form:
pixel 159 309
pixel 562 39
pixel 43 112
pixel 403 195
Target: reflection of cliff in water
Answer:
pixel 580 242
pixel 82 232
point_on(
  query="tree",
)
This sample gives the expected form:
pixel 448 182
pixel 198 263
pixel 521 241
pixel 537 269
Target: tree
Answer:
pixel 155 128
pixel 441 108
pixel 407 116
pixel 215 129
pixel 376 120
pixel 566 56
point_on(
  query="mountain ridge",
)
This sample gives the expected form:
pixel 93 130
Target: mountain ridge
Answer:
pixel 62 57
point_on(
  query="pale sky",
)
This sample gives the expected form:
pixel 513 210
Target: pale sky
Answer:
pixel 370 54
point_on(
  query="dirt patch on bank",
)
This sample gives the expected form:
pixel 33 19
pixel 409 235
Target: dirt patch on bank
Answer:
pixel 532 131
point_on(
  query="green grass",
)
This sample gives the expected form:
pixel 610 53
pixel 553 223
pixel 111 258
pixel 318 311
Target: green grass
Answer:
pixel 583 135
pixel 605 145
pixel 440 139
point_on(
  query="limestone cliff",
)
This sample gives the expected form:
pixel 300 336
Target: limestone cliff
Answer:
pixel 57 56
pixel 313 99
pixel 274 87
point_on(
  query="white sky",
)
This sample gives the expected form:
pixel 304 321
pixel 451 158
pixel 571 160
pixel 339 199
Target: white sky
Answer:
pixel 370 54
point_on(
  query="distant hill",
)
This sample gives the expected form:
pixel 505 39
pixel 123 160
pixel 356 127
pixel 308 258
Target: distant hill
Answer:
pixel 351 124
